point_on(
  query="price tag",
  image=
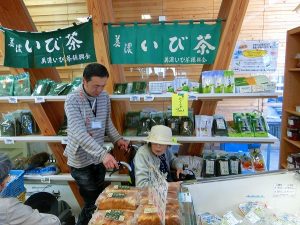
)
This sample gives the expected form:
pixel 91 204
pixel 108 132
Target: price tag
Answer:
pixel 9 141
pixel 135 98
pixel 12 100
pixel 45 180
pixel 39 99
pixel 185 197
pixel 193 97
pixel 64 141
pixel 148 98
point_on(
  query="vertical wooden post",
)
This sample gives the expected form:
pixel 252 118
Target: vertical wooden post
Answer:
pixel 233 11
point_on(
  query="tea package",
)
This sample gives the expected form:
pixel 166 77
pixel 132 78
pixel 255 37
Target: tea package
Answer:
pixel 157 118
pixel 209 165
pixel 203 125
pixel 228 79
pixel 120 88
pixel 144 124
pixel 6 85
pixel 219 126
pixel 57 88
pixel 173 122
pixel 132 120
pixel 77 81
pixel 8 125
pixel 242 125
pixel 63 129
pixel 42 87
pixel 207 82
pixel 22 85
pixel 28 125
pixel 139 87
pixel 187 125
pixel 258 125
pixel 218 81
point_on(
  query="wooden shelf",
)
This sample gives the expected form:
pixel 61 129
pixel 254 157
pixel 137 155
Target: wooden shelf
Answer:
pixel 138 97
pixel 292 112
pixel 294 69
pixel 295 143
pixel 182 139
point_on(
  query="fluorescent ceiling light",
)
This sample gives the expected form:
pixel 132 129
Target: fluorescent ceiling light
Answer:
pixel 146 16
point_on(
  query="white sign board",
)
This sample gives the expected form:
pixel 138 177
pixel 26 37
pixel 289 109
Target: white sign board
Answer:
pixel 257 56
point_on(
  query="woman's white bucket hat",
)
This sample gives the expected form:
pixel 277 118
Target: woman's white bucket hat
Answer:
pixel 161 134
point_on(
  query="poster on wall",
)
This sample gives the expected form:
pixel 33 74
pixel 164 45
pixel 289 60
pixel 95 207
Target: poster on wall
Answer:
pixel 66 46
pixel 256 56
pixel 170 43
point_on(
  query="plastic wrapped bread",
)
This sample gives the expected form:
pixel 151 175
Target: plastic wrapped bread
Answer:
pixel 122 188
pixel 117 200
pixel 112 217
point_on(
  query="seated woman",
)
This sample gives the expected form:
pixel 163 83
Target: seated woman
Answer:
pixel 156 152
pixel 12 211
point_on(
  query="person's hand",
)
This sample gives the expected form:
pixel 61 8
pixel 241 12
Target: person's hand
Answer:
pixel 109 162
pixel 178 171
pixel 123 145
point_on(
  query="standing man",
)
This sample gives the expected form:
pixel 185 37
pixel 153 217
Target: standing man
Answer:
pixel 88 113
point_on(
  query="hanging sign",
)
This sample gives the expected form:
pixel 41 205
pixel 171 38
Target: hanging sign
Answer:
pixel 192 43
pixel 68 46
pixel 257 56
pixel 180 104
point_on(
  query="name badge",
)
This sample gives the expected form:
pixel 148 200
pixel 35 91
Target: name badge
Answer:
pixel 96 124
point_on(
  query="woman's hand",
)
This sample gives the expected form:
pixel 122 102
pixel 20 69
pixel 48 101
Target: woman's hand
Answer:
pixel 178 171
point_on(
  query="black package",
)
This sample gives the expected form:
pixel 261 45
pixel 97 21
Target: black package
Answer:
pixel 144 124
pixel 235 165
pixel 173 122
pixel 139 87
pixel 223 166
pixel 57 89
pixel 157 118
pixel 187 125
pixel 209 166
pixel 27 123
pixel 132 123
pixel 219 126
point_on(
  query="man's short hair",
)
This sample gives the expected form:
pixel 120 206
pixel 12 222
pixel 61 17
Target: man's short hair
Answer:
pixel 5 166
pixel 94 69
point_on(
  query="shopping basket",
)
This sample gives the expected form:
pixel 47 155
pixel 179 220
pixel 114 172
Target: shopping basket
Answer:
pixel 15 187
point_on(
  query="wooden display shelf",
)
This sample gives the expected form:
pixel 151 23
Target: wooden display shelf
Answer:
pixel 182 139
pixel 292 112
pixel 294 69
pixel 295 143
pixel 139 97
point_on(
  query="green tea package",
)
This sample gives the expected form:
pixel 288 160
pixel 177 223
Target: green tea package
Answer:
pixel 218 81
pixel 229 82
pixel 139 87
pixel 28 126
pixel 6 85
pixel 242 125
pixel 42 87
pixel 22 84
pixel 219 126
pixel 157 118
pixel 173 122
pixel 120 88
pixel 8 125
pixel 57 88
pixel 207 82
pixel 144 124
pixel 132 120
pixel 77 81
pixel 257 124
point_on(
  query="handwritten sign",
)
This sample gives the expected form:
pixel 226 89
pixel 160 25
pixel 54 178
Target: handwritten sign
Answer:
pixel 159 191
pixel 180 104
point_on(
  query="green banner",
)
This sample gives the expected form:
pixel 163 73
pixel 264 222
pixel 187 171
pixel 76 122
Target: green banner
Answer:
pixel 192 43
pixel 68 46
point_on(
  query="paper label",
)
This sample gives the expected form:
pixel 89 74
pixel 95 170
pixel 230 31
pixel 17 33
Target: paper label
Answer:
pixel 224 168
pixel 117 215
pixel 230 219
pixel 135 98
pixel 9 141
pixel 39 99
pixel 289 134
pixel 234 166
pixel 291 122
pixel 252 217
pixel 116 195
pixel 148 98
pixel 121 187
pixel 210 167
pixel 64 141
pixel 150 210
pixel 284 190
pixel 12 100
pixel 193 97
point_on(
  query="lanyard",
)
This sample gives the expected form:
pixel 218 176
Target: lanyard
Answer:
pixel 93 107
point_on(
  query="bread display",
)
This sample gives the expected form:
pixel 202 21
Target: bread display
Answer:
pixel 112 217
pixel 117 200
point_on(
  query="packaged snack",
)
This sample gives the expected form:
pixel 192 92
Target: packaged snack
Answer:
pixel 117 200
pixel 257 159
pixel 112 217
pixel 22 85
pixel 147 215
